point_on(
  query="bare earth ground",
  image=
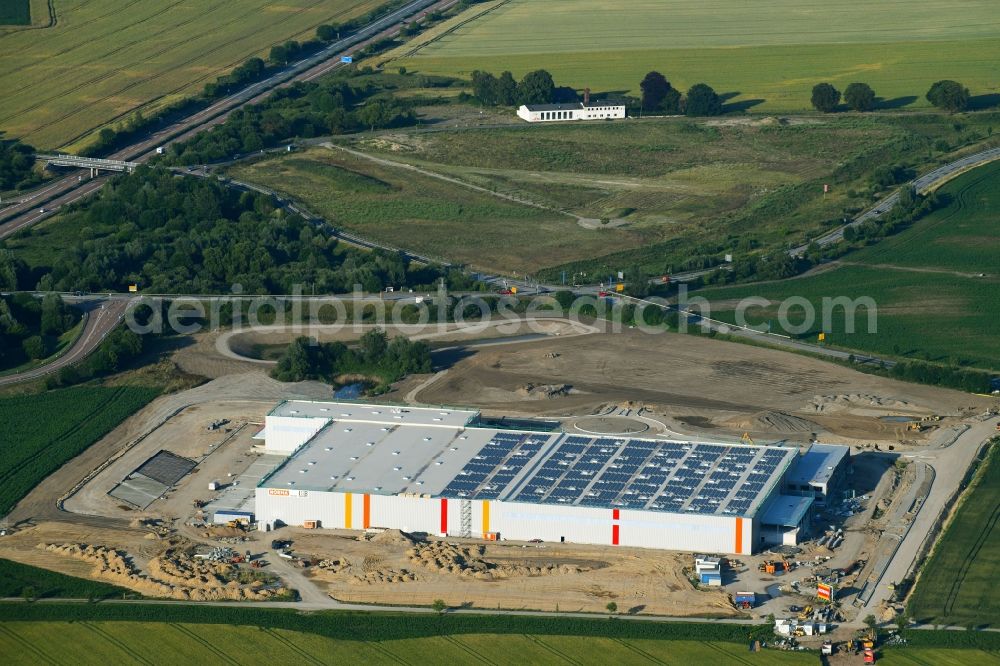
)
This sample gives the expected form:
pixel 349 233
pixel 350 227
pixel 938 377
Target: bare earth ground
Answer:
pixel 551 577
pixel 699 385
pixel 678 385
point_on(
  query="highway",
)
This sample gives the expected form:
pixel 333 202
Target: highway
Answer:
pixel 73 187
pixel 925 183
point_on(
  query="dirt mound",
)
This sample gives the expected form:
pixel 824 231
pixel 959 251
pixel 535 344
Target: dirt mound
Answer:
pixel 774 421
pixel 543 391
pixel 171 575
pixel 397 537
pixel 844 401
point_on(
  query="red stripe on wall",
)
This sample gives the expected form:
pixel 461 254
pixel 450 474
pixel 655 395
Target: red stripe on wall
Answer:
pixel 614 535
pixel 444 515
pixel 614 514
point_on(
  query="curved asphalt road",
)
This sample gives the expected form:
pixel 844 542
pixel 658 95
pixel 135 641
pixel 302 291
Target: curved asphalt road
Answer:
pixel 100 320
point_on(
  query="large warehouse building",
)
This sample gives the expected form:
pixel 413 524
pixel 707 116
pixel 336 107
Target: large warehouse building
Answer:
pixel 431 470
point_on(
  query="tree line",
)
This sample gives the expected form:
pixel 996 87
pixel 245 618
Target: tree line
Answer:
pixel 348 102
pixel 947 95
pixel 375 356
pixel 535 87
pixel 659 96
pixel 173 234
pixel 17 165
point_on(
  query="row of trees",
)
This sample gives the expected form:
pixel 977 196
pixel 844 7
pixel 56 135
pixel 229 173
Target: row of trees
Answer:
pixel 304 109
pixel 190 235
pixel 658 96
pixel 535 87
pixel 947 95
pixel 375 356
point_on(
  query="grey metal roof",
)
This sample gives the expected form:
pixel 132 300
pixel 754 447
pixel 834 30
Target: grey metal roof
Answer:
pixel 572 106
pixel 548 468
pixel 817 464
pixel 786 510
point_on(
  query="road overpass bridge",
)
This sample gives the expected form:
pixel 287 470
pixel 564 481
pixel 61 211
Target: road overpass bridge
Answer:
pixel 94 164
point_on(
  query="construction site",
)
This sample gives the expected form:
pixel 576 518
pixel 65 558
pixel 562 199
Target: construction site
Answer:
pixel 220 492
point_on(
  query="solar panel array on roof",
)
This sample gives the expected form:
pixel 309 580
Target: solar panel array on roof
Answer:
pixel 621 473
pixel 496 464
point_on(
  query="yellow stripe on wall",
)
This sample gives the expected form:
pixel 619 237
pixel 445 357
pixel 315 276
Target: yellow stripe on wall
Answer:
pixel 486 517
pixel 347 510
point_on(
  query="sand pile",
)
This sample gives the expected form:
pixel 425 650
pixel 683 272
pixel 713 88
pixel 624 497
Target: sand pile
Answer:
pixel 543 391
pixel 838 403
pixel 774 421
pixel 172 575
pixel 469 561
pixel 393 537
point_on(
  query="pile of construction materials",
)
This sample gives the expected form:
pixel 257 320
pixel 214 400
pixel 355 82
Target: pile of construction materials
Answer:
pixel 708 569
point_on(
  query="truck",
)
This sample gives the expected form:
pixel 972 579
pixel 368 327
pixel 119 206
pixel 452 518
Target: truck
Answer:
pixel 827 648
pixel 745 600
pixel 159 150
pixel 869 656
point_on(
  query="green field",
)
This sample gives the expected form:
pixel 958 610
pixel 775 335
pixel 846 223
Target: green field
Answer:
pixel 932 304
pixel 15 12
pixel 147 642
pixel 674 190
pixel 954 587
pixel 117 642
pixel 769 53
pixel 106 59
pixel 18 580
pixel 416 212
pixel 43 432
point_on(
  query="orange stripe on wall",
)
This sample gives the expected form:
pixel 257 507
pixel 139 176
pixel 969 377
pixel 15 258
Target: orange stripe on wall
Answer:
pixel 739 537
pixel 367 513
pixel 486 517
pixel 347 510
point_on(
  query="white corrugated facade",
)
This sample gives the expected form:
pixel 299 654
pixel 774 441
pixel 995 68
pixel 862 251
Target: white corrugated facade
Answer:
pixel 515 521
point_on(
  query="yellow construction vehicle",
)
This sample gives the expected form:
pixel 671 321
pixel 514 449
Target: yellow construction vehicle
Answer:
pixel 747 439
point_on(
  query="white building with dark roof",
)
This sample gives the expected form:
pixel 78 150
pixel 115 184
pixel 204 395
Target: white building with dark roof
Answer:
pixel 433 470
pixel 586 110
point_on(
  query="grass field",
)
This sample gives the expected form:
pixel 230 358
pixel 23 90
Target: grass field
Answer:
pixel 931 303
pixel 938 657
pixel 955 586
pixel 43 432
pixel 16 579
pixel 676 189
pixel 106 59
pixel 769 53
pixel 420 213
pixel 15 12
pixel 117 642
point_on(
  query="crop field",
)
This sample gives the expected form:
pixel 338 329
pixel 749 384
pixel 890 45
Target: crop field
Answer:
pixel 767 53
pixel 106 59
pixel 956 585
pixel 408 210
pixel 118 642
pixel 932 302
pixel 938 657
pixel 42 432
